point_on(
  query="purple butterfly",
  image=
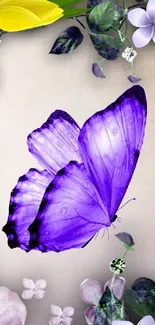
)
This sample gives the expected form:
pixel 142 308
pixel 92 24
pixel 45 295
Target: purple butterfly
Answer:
pixel 86 175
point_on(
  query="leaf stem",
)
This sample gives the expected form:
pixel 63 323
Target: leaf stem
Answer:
pixel 124 5
pixel 122 35
pixel 112 281
pixel 137 6
pixel 126 251
pixel 79 22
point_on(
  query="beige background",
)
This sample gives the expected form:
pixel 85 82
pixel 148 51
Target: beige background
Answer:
pixel 32 85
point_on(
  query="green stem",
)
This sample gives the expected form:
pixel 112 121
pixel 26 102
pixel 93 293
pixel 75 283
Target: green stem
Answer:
pixel 123 37
pixel 126 27
pixel 131 67
pixel 123 21
pixel 79 22
pixel 126 251
pixel 112 281
pixel 124 4
pixel 122 310
pixel 99 62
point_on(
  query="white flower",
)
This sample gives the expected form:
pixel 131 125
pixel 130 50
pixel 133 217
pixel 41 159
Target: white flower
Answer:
pixel 12 309
pixel 61 317
pixel 33 289
pixel 129 54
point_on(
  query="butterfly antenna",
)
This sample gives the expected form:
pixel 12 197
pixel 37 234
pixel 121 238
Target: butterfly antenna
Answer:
pixel 133 199
pixel 108 233
pixel 114 225
pixel 96 235
pixel 103 232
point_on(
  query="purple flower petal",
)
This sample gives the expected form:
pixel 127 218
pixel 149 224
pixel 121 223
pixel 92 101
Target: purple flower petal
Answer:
pixel 68 311
pixel 27 294
pixel 133 79
pixel 40 284
pixel 118 287
pixel 154 37
pixel 54 320
pixel 147 320
pixel 39 294
pixel 55 143
pixel 151 10
pixel 89 315
pixel 143 36
pixel 66 320
pixel 24 205
pixel 90 291
pixel 28 283
pixel 138 18
pixel 56 310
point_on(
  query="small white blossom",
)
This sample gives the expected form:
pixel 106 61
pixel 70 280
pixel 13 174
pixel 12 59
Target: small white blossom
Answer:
pixel 61 316
pixel 33 289
pixel 129 54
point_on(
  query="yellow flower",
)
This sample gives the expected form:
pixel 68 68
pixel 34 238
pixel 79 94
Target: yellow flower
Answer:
pixel 17 15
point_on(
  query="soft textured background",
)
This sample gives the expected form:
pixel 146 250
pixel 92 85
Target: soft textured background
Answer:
pixel 32 85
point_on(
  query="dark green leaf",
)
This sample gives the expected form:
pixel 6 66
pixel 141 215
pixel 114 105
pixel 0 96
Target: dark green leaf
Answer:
pixel 111 307
pixel 107 299
pixel 66 3
pixel 106 46
pixel 104 16
pixel 97 70
pixel 145 290
pixel 69 13
pixel 125 238
pixel 131 302
pixel 68 41
pixel 100 317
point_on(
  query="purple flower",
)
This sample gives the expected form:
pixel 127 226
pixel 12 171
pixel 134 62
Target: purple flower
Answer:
pixel 147 320
pixel 91 292
pixel 145 20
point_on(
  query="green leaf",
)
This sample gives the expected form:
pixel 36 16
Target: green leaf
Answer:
pixel 141 298
pixel 69 13
pixel 131 302
pixel 107 46
pixel 110 308
pixel 67 41
pixel 97 70
pixel 100 317
pixel 103 17
pixel 145 290
pixel 126 239
pixel 66 3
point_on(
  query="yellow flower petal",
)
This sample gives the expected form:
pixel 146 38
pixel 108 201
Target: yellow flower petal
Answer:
pixel 14 19
pixel 41 8
pixel 57 14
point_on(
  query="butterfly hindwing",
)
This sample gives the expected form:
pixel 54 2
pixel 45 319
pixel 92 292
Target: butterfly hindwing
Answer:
pixel 70 214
